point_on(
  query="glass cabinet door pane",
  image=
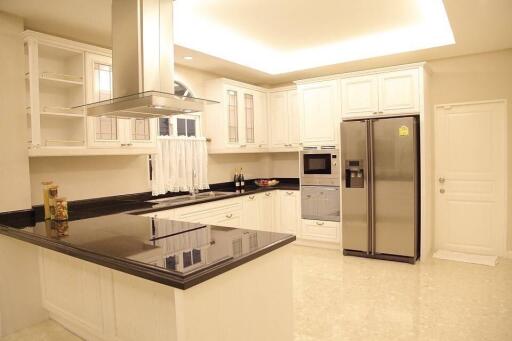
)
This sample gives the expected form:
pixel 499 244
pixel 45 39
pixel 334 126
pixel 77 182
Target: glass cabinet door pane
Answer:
pixel 232 116
pixel 140 129
pixel 106 127
pixel 249 117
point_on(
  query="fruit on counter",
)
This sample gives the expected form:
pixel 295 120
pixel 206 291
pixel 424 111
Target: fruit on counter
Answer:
pixel 266 182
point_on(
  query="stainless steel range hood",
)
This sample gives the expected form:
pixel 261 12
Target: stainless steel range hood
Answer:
pixel 143 63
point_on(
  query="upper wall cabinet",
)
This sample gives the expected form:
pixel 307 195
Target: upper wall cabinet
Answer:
pixel 387 93
pixel 319 112
pixel 239 122
pixel 110 131
pixel 61 75
pixel 284 120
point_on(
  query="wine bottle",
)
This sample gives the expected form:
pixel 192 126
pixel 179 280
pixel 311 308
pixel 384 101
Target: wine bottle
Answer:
pixel 237 181
pixel 242 181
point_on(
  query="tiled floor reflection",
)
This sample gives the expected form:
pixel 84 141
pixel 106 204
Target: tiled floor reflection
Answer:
pixel 348 298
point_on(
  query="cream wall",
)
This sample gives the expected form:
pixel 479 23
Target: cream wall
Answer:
pixel 474 78
pixel 284 165
pixel 14 172
pixel 85 177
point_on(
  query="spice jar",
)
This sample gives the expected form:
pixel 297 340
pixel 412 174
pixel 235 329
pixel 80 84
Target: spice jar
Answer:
pixel 61 209
pixel 46 188
pixel 52 195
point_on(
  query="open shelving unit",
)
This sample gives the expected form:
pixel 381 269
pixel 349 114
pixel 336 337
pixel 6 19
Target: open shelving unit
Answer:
pixel 61 75
pixel 55 84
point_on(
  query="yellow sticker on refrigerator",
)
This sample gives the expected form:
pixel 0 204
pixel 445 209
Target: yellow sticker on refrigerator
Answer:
pixel 403 131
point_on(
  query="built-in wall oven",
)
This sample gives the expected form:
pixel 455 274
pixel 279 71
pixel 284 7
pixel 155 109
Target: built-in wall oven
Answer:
pixel 320 181
pixel 319 167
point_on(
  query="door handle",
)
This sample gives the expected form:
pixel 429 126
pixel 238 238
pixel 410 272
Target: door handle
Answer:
pixel 229 216
pixel 268 194
pixel 289 193
pixel 251 197
pixel 442 190
pixel 442 180
pixel 320 223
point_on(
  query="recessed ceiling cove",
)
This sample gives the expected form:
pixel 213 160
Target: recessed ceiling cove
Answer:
pixel 283 36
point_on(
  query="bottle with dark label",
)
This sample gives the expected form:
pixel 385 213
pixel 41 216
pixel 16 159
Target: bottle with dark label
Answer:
pixel 237 181
pixel 242 181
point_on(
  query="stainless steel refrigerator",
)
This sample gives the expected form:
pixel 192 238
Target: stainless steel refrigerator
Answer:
pixel 380 188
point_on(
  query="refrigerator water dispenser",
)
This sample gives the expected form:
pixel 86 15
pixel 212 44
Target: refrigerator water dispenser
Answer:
pixel 354 174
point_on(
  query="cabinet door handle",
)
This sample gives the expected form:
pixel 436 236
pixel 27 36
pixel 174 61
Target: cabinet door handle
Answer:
pixel 229 216
pixel 289 193
pixel 320 223
pixel 268 194
pixel 251 197
pixel 374 113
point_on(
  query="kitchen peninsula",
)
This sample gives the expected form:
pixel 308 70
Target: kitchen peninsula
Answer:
pixel 100 276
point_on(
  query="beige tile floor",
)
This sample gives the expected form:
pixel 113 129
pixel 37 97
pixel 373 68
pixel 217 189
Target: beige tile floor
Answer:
pixel 348 298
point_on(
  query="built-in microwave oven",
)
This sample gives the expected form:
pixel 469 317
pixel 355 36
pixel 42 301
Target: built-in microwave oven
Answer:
pixel 319 167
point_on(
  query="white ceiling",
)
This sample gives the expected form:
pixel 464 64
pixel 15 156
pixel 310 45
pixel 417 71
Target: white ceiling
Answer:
pixel 284 26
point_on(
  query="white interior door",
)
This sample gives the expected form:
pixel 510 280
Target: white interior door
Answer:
pixel 470 184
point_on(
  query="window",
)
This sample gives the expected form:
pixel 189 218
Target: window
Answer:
pixel 180 125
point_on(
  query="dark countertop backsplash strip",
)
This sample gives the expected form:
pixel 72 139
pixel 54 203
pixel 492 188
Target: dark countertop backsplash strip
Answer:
pixel 88 208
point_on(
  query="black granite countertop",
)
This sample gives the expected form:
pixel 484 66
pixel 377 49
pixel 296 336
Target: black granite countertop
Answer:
pixel 148 207
pixel 173 253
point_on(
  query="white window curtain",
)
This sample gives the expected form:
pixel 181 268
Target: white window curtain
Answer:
pixel 180 164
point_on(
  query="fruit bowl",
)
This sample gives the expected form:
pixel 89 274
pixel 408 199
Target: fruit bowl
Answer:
pixel 266 182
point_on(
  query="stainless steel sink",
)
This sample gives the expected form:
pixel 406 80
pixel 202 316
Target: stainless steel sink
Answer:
pixel 185 198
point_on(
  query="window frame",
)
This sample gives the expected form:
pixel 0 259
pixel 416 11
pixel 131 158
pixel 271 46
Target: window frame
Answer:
pixel 173 120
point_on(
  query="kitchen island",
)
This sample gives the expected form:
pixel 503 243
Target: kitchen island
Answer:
pixel 127 277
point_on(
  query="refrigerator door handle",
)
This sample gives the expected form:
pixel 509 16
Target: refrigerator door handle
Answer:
pixel 369 150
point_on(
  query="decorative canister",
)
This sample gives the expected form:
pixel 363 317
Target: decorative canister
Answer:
pixel 52 195
pixel 61 209
pixel 46 188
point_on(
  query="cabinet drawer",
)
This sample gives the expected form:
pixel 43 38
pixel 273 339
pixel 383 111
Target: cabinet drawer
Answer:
pixel 326 231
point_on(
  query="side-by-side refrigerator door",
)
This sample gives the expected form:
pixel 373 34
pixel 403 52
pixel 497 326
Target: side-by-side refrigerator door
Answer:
pixel 354 169
pixel 395 170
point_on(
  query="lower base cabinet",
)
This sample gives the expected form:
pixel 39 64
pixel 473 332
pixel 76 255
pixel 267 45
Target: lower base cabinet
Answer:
pixel 277 211
pixel 322 231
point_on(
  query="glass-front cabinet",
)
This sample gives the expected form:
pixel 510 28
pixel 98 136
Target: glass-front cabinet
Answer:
pixel 110 131
pixel 245 117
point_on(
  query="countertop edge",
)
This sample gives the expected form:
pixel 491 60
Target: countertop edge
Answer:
pixel 141 270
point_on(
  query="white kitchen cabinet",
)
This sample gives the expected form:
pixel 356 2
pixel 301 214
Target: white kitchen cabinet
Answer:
pixel 385 93
pixel 258 211
pixel 284 120
pixel 278 115
pixel 109 131
pixel 322 231
pixel 266 211
pixel 288 212
pixel 399 92
pixel 239 123
pixel 250 211
pixel 360 96
pixel 63 75
pixel 319 112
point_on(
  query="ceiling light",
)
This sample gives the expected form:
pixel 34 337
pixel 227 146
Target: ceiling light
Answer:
pixel 204 35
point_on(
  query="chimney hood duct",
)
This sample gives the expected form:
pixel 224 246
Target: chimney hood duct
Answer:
pixel 143 64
